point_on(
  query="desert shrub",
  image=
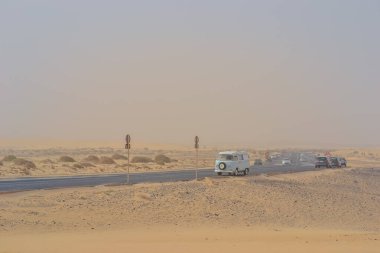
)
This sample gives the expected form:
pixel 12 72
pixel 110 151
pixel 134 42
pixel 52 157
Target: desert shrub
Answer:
pixel 106 160
pixel 160 163
pixel 78 166
pixel 66 159
pixel 91 159
pixel 162 159
pixel 141 159
pixel 1 163
pixel 119 157
pixel 9 158
pixel 47 161
pixel 85 165
pixel 26 172
pixel 25 163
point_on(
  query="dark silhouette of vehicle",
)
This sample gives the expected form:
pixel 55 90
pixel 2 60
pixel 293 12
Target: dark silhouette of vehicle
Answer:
pixel 334 162
pixel 322 162
pixel 342 161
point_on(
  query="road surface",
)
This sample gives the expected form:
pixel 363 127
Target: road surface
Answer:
pixel 32 183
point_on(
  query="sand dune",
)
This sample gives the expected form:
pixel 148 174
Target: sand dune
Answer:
pixel 335 210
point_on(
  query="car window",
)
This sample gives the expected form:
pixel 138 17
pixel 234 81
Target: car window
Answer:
pixel 224 157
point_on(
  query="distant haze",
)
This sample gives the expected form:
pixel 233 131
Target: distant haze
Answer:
pixel 260 73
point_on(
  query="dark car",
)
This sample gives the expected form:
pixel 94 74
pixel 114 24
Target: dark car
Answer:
pixel 334 162
pixel 258 162
pixel 342 161
pixel 322 162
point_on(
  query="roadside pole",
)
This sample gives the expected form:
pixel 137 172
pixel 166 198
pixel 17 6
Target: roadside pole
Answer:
pixel 128 147
pixel 196 151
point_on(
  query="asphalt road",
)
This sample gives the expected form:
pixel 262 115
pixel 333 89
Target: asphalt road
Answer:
pixel 24 184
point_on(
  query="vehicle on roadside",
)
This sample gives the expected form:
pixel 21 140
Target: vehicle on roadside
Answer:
pixel 286 162
pixel 258 162
pixel 232 163
pixel 274 156
pixel 322 162
pixel 342 161
pixel 334 162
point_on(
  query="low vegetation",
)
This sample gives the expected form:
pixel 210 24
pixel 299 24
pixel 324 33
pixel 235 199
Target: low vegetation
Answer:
pixel 47 161
pixel 106 160
pixel 119 157
pixel 78 166
pixel 1 163
pixel 22 162
pixel 9 158
pixel 86 165
pixel 91 159
pixel 66 159
pixel 141 159
pixel 162 159
pixel 25 172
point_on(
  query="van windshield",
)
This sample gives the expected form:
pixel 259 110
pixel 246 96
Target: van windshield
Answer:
pixel 225 157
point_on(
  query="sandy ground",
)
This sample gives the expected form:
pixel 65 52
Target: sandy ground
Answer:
pixel 47 161
pixel 169 239
pixel 324 211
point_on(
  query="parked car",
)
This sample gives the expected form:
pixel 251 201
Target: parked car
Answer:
pixel 232 163
pixel 286 162
pixel 258 162
pixel 334 162
pixel 342 161
pixel 322 162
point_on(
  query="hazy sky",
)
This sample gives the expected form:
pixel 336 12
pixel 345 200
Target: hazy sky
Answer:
pixel 234 72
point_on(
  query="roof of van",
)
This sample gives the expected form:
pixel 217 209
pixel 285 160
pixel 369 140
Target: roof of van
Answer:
pixel 232 152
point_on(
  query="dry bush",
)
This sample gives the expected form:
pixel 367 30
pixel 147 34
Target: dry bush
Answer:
pixel 162 159
pixel 47 161
pixel 86 165
pixel 119 157
pixel 25 163
pixel 106 160
pixel 26 171
pixel 141 159
pixel 91 159
pixel 66 159
pixel 9 158
pixel 1 163
pixel 78 166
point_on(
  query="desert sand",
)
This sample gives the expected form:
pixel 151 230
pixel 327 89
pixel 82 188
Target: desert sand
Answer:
pixel 324 211
pixel 49 162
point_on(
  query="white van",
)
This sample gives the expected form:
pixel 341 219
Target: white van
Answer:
pixel 232 163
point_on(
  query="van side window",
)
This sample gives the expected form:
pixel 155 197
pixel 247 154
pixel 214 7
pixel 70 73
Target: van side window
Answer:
pixel 235 158
pixel 241 157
